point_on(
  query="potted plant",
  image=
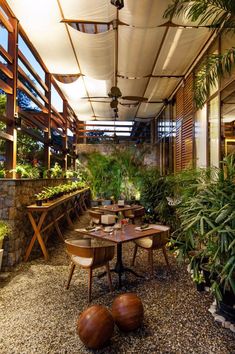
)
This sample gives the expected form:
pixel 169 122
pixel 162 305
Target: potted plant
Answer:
pixel 40 198
pixel 208 228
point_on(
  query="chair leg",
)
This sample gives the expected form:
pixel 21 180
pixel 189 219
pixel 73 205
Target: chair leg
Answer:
pixel 134 255
pixel 166 258
pixel 151 260
pixel 109 277
pixel 70 274
pixel 89 284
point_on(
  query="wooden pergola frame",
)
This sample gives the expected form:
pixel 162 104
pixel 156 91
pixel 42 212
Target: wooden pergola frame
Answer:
pixel 47 118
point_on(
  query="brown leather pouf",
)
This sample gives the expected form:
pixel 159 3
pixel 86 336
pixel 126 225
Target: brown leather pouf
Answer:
pixel 128 312
pixel 95 326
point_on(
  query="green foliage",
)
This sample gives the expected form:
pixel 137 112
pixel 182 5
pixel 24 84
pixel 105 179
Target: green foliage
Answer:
pixel 49 193
pixel 214 14
pixel 2 173
pixel 208 225
pixel 26 171
pixel 114 175
pixel 56 171
pixel 3 100
pixel 27 148
pixel 4 229
pixel 161 194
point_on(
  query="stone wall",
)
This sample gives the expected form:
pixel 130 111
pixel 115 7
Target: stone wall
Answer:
pixel 15 195
pixel 150 157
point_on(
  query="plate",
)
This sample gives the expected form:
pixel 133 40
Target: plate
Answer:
pixel 139 228
pixel 108 229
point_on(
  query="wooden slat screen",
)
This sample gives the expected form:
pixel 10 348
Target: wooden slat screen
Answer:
pixel 184 125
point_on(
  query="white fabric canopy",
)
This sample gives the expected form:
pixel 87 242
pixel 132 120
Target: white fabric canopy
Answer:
pixel 138 50
pixel 41 21
pixel 95 53
pixel 89 10
pixel 179 50
pixel 160 88
pixel 144 13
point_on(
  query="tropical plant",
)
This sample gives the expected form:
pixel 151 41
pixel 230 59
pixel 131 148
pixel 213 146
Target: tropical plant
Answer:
pixel 56 171
pixel 207 228
pixel 216 15
pixel 161 195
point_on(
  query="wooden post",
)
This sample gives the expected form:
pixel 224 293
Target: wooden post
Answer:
pixel 74 147
pixel 65 136
pixel 11 108
pixel 47 134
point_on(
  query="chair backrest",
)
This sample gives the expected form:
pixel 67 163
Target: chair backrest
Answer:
pixel 162 238
pixel 108 219
pixel 83 248
pixel 138 212
pixel 95 216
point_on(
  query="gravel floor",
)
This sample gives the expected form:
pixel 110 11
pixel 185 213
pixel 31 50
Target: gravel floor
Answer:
pixel 39 316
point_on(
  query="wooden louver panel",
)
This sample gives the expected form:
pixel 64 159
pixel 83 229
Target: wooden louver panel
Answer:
pixel 184 125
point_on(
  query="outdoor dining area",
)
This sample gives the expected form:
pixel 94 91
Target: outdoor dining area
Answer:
pixel 117 177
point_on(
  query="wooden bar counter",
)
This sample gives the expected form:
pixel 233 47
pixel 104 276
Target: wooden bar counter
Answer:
pixel 76 201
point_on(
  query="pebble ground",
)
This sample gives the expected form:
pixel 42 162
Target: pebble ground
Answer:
pixel 38 315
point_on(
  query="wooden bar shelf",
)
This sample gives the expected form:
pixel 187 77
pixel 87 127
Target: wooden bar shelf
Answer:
pixel 76 202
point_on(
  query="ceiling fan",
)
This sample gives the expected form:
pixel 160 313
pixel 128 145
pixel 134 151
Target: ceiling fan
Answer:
pixel 116 94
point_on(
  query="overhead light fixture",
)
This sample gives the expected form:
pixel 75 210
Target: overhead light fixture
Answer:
pixel 118 3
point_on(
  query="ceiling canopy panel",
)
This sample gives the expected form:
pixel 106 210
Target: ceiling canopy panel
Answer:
pixel 41 21
pixel 160 88
pixel 138 48
pixel 180 48
pixel 134 47
pixel 126 113
pixel 97 87
pixel 132 87
pixel 147 14
pixel 95 53
pixel 89 10
pixel 149 110
pixel 102 110
pixel 83 110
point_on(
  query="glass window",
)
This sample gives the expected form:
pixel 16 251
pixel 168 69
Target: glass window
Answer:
pixel 201 137
pixel 214 131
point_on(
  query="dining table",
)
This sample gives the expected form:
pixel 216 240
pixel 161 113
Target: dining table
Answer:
pixel 115 208
pixel 127 233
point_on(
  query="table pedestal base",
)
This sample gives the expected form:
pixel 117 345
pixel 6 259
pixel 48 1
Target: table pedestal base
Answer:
pixel 119 267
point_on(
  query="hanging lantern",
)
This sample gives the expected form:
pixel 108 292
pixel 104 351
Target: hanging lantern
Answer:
pixel 118 3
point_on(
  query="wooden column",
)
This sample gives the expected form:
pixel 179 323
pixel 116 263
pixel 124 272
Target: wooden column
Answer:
pixel 47 134
pixel 74 147
pixel 65 136
pixel 11 108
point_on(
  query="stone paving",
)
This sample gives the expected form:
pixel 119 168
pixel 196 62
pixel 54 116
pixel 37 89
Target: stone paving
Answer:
pixel 39 316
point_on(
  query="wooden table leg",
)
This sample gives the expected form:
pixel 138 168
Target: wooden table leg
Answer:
pixel 37 235
pixel 57 227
